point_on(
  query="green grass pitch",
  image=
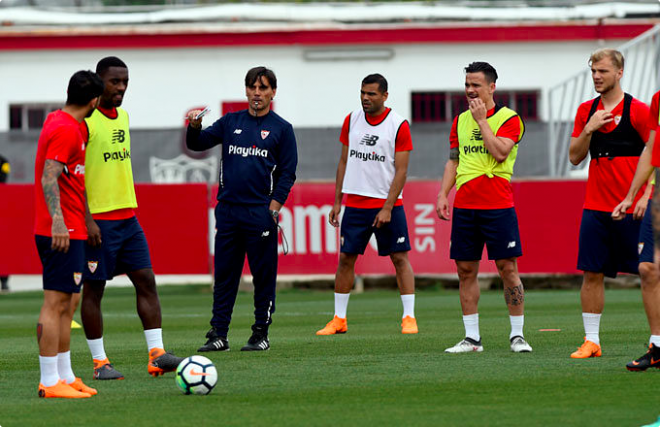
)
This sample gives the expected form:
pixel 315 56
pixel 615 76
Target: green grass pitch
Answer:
pixel 373 375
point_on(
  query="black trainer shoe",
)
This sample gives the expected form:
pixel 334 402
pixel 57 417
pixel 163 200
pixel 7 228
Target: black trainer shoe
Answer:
pixel 259 339
pixel 215 342
pixel 650 360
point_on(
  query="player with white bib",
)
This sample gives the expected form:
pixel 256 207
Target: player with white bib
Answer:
pixel 372 172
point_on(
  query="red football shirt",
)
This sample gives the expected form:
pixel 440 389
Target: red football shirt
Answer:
pixel 403 142
pixel 61 140
pixel 654 121
pixel 483 192
pixel 609 180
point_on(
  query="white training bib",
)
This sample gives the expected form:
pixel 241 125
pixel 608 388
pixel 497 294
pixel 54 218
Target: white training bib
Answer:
pixel 371 149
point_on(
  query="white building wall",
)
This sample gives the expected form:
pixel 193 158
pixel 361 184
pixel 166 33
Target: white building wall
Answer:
pixel 165 83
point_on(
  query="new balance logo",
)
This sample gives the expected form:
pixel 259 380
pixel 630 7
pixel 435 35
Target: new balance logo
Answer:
pixel 511 244
pixel 118 135
pixel 369 140
pixel 265 234
pixel 401 240
pixel 476 135
pixel 238 131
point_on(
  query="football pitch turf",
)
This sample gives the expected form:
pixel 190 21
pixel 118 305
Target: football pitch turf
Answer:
pixel 373 375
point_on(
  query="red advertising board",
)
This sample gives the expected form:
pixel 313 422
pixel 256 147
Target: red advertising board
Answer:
pixel 178 222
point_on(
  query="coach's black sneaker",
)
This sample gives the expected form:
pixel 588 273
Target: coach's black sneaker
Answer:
pixel 259 339
pixel 650 360
pixel 215 342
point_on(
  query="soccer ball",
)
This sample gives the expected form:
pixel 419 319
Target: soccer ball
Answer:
pixel 196 375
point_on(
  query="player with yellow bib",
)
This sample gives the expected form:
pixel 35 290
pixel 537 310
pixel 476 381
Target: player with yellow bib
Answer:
pixel 483 149
pixel 116 244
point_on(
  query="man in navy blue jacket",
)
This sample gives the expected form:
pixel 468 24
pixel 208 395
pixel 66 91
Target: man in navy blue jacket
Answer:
pixel 257 171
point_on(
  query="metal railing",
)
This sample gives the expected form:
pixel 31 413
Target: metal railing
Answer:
pixel 641 79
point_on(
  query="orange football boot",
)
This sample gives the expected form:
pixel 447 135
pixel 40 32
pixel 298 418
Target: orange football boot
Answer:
pixel 409 325
pixel 160 362
pixel 336 326
pixel 61 390
pixel 80 386
pixel 586 350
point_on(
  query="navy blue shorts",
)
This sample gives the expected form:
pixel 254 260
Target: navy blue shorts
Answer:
pixel 62 271
pixel 124 249
pixel 357 228
pixel 471 229
pixel 646 242
pixel 608 246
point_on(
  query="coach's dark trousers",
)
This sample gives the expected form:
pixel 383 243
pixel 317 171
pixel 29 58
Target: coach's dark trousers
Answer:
pixel 241 230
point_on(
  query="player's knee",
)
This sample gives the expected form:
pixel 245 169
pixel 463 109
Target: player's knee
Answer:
pixel 649 274
pixel 400 260
pixel 347 261
pixel 466 272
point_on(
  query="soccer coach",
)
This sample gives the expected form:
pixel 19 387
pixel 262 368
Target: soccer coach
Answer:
pixel 257 171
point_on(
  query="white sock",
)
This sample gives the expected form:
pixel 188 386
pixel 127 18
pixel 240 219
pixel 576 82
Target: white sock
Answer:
pixel 154 338
pixel 64 367
pixel 97 349
pixel 471 322
pixel 591 326
pixel 408 305
pixel 655 340
pixel 517 323
pixel 341 304
pixel 48 368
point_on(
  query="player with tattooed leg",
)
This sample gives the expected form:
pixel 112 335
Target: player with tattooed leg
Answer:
pixel 483 149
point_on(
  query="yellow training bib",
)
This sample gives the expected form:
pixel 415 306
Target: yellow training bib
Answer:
pixel 108 171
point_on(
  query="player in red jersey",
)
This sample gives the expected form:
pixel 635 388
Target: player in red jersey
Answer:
pixel 613 129
pixel 484 144
pixel 60 232
pixel 376 146
pixel 649 256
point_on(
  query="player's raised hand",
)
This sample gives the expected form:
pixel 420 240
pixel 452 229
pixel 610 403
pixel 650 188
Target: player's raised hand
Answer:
pixel 442 207
pixel 333 216
pixel 478 109
pixel 598 120
pixel 619 211
pixel 60 235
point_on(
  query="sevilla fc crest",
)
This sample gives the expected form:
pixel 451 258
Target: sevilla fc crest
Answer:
pixel 77 277
pixel 264 134
pixel 617 119
pixel 92 266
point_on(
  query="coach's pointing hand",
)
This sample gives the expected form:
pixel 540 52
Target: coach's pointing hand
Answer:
pixel 196 123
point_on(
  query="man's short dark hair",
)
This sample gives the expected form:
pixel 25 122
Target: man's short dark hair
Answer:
pixel 107 62
pixel 376 78
pixel 483 67
pixel 83 87
pixel 257 73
